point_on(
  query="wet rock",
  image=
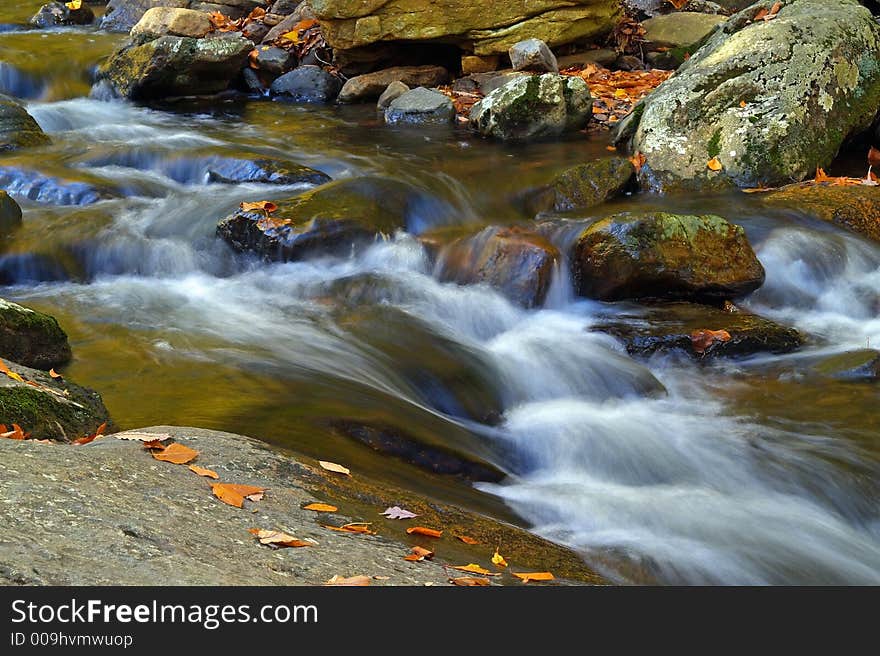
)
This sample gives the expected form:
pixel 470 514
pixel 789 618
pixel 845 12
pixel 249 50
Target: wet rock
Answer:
pixel 176 66
pixel 394 91
pixel 43 188
pixel 234 9
pixel 859 365
pixel 53 14
pixel 533 107
pixel 251 80
pixel 485 26
pixel 255 31
pixel 10 214
pixel 420 106
pixel 45 411
pixel 122 15
pixel 476 64
pixel 19 84
pixel 660 255
pixel 170 21
pixel 329 219
pixel 533 55
pixel 583 186
pixel 809 79
pixel 31 338
pixel 855 208
pixel 371 85
pixel 600 56
pixel 285 7
pixel 517 262
pixel 18 129
pixel 669 327
pixel 264 170
pixel 307 84
pixel 301 13
pixel 681 29
pixel 273 61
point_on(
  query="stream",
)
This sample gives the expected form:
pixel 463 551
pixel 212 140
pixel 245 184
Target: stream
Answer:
pixel 744 472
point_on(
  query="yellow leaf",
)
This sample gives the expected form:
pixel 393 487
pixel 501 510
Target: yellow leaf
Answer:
pixel 533 576
pixel 262 205
pixel 73 5
pixel 332 466
pixel 475 569
pixel 714 164
pixel 498 560
pixel 469 581
pixel 321 507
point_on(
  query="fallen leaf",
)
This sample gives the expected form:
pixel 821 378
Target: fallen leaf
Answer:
pixel 11 374
pixel 154 444
pixel 201 471
pixel 873 157
pixel 321 507
pixel 332 466
pixel 678 4
pixel 473 568
pixel 742 103
pixel 279 539
pixel 638 161
pixel 469 581
pixel 498 560
pixel 611 149
pixel 261 205
pixel 775 9
pixel 467 540
pixel 92 437
pixel 396 512
pixel 74 5
pixel 15 434
pixel 294 35
pixel 142 437
pixel 235 494
pixel 762 13
pixel 714 164
pixel 421 530
pixel 176 453
pixel 419 553
pixel 350 581
pixel 54 374
pixel 701 340
pixel 381 578
pixel 354 527
pixel 533 576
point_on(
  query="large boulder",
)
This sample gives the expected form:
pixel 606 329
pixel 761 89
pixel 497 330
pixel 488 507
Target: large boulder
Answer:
pixel 48 408
pixel 370 86
pixel 10 214
pixel 176 66
pixel 517 262
pixel 171 21
pixel 681 29
pixel 18 129
pixel 122 15
pixel 329 219
pixel 485 26
pixel 661 255
pixel 583 186
pixel 420 106
pixel 31 338
pixel 533 107
pixel 769 100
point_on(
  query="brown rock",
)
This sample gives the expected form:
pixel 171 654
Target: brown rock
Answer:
pixel 371 85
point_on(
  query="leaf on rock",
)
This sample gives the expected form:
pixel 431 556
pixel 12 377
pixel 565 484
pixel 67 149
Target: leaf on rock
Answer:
pixel 473 568
pixel 201 471
pixel 354 527
pixel 469 581
pixel 419 553
pixel 278 539
pixel 533 576
pixel 146 438
pixel 467 539
pixel 701 340
pixel 498 560
pixel 92 437
pixel 396 512
pixel 332 466
pixel 638 161
pixel 421 530
pixel 54 374
pixel 294 35
pixel 350 581
pixel 235 494
pixel 15 434
pixel 873 157
pixel 259 206
pixel 11 374
pixel 74 5
pixel 321 507
pixel 176 453
pixel 714 164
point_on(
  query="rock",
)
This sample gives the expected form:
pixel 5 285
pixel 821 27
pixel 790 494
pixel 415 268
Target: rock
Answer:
pixel 660 255
pixel 681 29
pixel 262 170
pixel 420 106
pixel 394 91
pixel 303 12
pixel 307 84
pixel 371 85
pixel 10 214
pixel 668 328
pixel 31 338
pixel 54 14
pixel 533 55
pixel 533 107
pixel 234 9
pixel 855 207
pixel 255 31
pixel 18 129
pixel 583 186
pixel 42 188
pixel 859 365
pixel 329 219
pixel 251 81
pixel 122 15
pixel 628 63
pixel 285 7
pixel 476 64
pixel 45 411
pixel 170 21
pixel 600 56
pixel 273 61
pixel 176 66
pixel 517 262
pixel 809 79
pixel 484 26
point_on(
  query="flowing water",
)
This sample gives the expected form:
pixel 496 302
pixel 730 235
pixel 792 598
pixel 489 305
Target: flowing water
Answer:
pixel 741 472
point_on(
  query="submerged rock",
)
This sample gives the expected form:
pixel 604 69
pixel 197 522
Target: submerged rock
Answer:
pixel 670 327
pixel 371 85
pixel 328 219
pixel 420 106
pixel 307 84
pixel 54 409
pixel 660 255
pixel 859 365
pixel 18 129
pixel 122 15
pixel 31 338
pixel 263 170
pixel 583 186
pixel 533 107
pixel 10 214
pixel 771 100
pixel 43 188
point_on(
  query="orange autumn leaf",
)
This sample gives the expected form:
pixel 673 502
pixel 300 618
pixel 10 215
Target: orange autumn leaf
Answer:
pixel 701 340
pixel 321 507
pixel 821 176
pixel 419 553
pixel 473 568
pixel 469 581
pixel 332 466
pixel 350 581
pixel 261 205
pixel 154 444
pixel 92 437
pixel 873 157
pixel 421 530
pixel 278 539
pixel 54 374
pixel 11 374
pixel 15 434
pixel 714 164
pixel 467 540
pixel 498 560
pixel 235 494
pixel 762 13
pixel 201 471
pixel 176 453
pixel 638 161
pixel 533 576
pixel 302 26
pixel 678 4
pixel 775 9
pixel 354 527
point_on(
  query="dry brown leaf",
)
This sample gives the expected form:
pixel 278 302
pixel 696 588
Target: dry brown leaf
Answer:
pixel 714 164
pixel 761 15
pixel 259 206
pixel 332 466
pixel 201 471
pixel 473 568
pixel 467 539
pixel 279 539
pixel 638 161
pixel 321 507
pixel 421 530
pixel 701 340
pixel 873 157
pixel 533 576
pixel 154 444
pixel 469 581
pixel 176 453
pixel 294 35
pixel 15 434
pixel 92 437
pixel 354 527
pixel 419 553
pixel 54 374
pixel 235 494
pixel 350 581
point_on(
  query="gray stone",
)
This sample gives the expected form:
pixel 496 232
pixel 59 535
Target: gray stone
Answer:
pixel 533 55
pixel 371 85
pixel 274 61
pixel 420 106
pixel 285 7
pixel 394 91
pixel 601 56
pixel 307 84
pixel 859 365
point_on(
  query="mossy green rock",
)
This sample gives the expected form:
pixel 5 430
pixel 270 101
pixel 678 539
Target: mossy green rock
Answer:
pixel 583 186
pixel 772 100
pixel 681 29
pixel 176 66
pixel 18 129
pixel 533 107
pixel 669 256
pixel 10 214
pixel 485 26
pixel 54 409
pixel 31 338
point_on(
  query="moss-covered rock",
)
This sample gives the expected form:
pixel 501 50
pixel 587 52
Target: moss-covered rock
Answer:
pixel 52 409
pixel 533 107
pixel 855 207
pixel 32 338
pixel 329 219
pixel 772 100
pixel 661 255
pixel 858 365
pixel 10 214
pixel 18 129
pixel 669 327
pixel 583 186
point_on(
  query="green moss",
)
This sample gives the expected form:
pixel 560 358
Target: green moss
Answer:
pixel 714 145
pixel 40 414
